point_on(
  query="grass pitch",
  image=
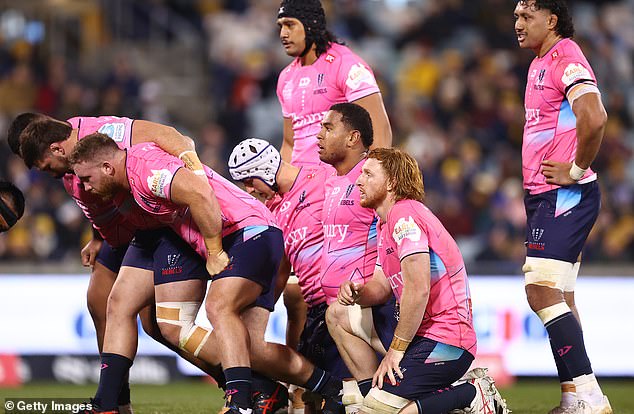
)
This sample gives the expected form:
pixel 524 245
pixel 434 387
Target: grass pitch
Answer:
pixel 193 397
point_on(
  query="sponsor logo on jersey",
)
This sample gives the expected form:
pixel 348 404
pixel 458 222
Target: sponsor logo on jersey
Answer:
pixel 304 82
pixel 575 72
pixel 406 229
pixel 358 75
pixel 310 119
pixel 532 116
pixel 159 181
pixel 115 130
pixel 336 231
pixel 296 236
pixel 330 58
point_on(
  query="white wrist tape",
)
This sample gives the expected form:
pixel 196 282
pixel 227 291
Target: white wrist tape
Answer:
pixel 180 157
pixel 576 172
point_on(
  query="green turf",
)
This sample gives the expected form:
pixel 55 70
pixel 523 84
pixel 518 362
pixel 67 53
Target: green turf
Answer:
pixel 192 397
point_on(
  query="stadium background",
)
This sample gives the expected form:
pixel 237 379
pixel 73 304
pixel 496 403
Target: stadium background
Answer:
pixel 452 79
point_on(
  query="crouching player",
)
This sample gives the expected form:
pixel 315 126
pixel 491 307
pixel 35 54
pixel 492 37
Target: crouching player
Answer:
pixel 434 341
pixel 295 195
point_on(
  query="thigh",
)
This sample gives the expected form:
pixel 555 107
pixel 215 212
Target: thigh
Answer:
pixel 132 291
pixel 428 366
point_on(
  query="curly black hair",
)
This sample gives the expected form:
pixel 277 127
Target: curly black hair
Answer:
pixel 565 27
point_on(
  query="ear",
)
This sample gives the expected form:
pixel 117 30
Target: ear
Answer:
pixel 354 138
pixel 57 149
pixel 107 168
pixel 552 21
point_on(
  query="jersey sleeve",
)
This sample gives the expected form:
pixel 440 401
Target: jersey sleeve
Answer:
pixel 155 172
pixel 572 71
pixel 356 79
pixel 409 233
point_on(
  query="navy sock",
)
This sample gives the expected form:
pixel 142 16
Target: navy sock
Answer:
pixel 114 369
pixel 445 400
pixel 238 390
pixel 260 383
pixel 325 384
pixel 124 394
pixel 364 386
pixel 562 370
pixel 567 340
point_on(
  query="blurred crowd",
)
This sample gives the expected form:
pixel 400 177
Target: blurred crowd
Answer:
pixel 451 75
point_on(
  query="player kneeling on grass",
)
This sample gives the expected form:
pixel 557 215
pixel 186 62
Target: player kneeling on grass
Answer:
pixel 434 342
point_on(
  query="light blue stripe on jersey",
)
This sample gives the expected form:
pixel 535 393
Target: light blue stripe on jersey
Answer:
pixel 443 352
pixel 438 268
pixel 567 198
pixel 567 119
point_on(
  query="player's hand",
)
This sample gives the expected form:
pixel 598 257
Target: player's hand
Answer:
pixel 90 251
pixel 217 262
pixel 557 173
pixel 349 293
pixel 390 367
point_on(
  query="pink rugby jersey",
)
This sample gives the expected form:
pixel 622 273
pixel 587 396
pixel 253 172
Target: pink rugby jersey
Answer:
pixel 411 228
pixel 349 235
pixel 298 213
pixel 306 93
pixel 550 128
pixel 110 218
pixel 150 172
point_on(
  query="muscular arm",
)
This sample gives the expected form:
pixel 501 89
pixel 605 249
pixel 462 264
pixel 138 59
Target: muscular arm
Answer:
pixel 377 290
pixel 380 122
pixel 416 274
pixel 186 190
pixel 166 137
pixel 287 143
pixel 591 120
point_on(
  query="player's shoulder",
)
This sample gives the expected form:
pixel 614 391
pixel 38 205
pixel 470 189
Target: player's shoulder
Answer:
pixel 565 51
pixel 338 53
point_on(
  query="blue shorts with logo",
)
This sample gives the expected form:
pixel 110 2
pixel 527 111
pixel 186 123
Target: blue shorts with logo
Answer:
pixel 559 221
pixel 255 253
pixel 111 257
pixel 428 366
pixel 167 255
